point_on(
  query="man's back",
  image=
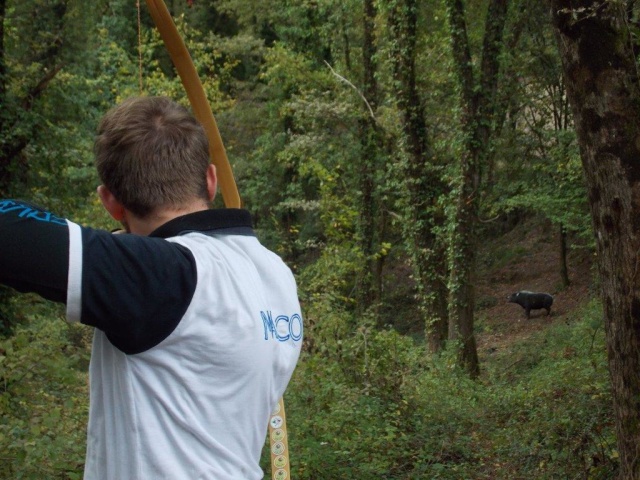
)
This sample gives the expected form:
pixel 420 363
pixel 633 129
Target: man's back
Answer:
pixel 197 404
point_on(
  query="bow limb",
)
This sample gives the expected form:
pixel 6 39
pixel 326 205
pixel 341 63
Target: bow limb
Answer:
pixel 280 468
pixel 197 97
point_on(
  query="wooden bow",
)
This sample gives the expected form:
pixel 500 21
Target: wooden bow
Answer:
pixel 202 111
pixel 197 98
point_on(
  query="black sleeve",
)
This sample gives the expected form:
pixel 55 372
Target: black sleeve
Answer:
pixel 34 247
pixel 136 289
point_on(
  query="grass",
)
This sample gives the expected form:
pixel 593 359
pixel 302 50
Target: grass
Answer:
pixel 542 409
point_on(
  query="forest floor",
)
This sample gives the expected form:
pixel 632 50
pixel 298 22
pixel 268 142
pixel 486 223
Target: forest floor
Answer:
pixel 527 258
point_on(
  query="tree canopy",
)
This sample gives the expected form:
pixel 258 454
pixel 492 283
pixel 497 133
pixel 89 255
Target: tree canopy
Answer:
pixel 382 149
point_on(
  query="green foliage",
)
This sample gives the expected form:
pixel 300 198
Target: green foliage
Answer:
pixel 550 185
pixel 366 404
pixel 43 41
pixel 294 181
pixel 55 128
pixel 556 394
pixel 537 167
pixel 7 311
pixel 358 425
pixel 43 397
pixel 305 26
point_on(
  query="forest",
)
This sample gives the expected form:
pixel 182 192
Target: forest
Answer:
pixel 400 156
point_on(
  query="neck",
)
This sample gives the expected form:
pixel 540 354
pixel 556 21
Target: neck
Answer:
pixel 144 226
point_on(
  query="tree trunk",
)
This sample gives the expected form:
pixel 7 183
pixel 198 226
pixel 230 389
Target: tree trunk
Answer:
pixel 564 269
pixel 478 101
pixel 603 87
pixel 368 294
pixel 345 40
pixel 421 180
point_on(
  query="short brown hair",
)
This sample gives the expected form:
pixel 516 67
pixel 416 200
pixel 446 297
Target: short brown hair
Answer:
pixel 151 152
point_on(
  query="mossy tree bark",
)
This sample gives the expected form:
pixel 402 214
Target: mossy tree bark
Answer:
pixel 422 181
pixel 599 56
pixel 478 107
pixel 369 284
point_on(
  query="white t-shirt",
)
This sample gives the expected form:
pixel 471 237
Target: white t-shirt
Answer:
pixel 198 330
pixel 196 403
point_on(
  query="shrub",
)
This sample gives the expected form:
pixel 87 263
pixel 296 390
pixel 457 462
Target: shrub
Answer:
pixel 43 397
pixel 371 405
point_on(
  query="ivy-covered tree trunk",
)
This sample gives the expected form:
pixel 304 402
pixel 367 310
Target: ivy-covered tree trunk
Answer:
pixel 562 122
pixel 478 102
pixel 369 282
pixel 599 56
pixel 421 180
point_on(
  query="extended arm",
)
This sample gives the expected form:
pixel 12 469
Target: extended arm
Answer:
pixel 34 248
pixel 133 288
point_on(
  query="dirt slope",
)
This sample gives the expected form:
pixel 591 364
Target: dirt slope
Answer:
pixel 527 258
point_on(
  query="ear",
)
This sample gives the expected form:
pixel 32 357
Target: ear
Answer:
pixel 111 205
pixel 212 181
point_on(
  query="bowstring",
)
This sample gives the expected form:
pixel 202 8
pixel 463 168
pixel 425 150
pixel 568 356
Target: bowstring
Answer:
pixel 140 86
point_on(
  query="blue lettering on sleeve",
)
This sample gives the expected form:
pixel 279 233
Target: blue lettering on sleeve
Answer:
pixel 284 328
pixel 24 211
pixel 46 217
pixel 7 206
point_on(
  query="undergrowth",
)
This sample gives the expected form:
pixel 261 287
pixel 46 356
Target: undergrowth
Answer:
pixel 542 410
pixel 43 396
pixel 362 405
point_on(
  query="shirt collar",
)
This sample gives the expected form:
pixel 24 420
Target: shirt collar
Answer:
pixel 233 221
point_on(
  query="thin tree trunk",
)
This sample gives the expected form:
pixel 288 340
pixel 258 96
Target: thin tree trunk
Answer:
pixel 368 167
pixel 478 108
pixel 604 90
pixel 345 41
pixel 421 181
pixel 564 269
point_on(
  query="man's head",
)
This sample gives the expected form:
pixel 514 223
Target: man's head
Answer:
pixel 152 154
